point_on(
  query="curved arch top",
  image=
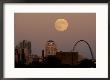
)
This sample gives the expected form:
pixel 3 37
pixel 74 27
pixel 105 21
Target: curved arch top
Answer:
pixel 87 45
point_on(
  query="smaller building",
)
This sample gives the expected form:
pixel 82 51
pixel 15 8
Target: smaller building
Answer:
pixel 32 59
pixel 17 56
pixel 26 54
pixel 68 57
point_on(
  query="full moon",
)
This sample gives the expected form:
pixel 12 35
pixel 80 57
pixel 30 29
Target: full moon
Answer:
pixel 61 24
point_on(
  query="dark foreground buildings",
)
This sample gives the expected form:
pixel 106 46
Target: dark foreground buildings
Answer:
pixel 68 57
pixel 50 58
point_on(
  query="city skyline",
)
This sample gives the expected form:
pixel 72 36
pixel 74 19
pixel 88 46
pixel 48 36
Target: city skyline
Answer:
pixel 39 28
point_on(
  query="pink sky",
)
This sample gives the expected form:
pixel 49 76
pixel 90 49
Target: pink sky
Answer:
pixel 39 28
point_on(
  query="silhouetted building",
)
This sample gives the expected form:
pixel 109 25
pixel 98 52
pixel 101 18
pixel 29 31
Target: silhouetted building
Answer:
pixel 68 57
pixel 26 44
pixel 26 54
pixel 43 54
pixel 23 51
pixel 50 48
pixel 29 46
pixel 17 56
pixel 30 59
pixel 35 59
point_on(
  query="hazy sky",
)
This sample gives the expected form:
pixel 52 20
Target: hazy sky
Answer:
pixel 39 28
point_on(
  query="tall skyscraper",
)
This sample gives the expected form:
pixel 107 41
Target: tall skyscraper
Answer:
pixel 24 50
pixel 50 48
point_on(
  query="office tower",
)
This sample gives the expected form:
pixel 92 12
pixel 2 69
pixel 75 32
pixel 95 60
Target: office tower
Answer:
pixel 24 50
pixel 50 48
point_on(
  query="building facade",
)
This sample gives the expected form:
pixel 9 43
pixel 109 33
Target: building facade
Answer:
pixel 22 51
pixel 50 48
pixel 68 57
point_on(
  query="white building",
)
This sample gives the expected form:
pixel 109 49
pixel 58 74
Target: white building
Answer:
pixel 50 48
